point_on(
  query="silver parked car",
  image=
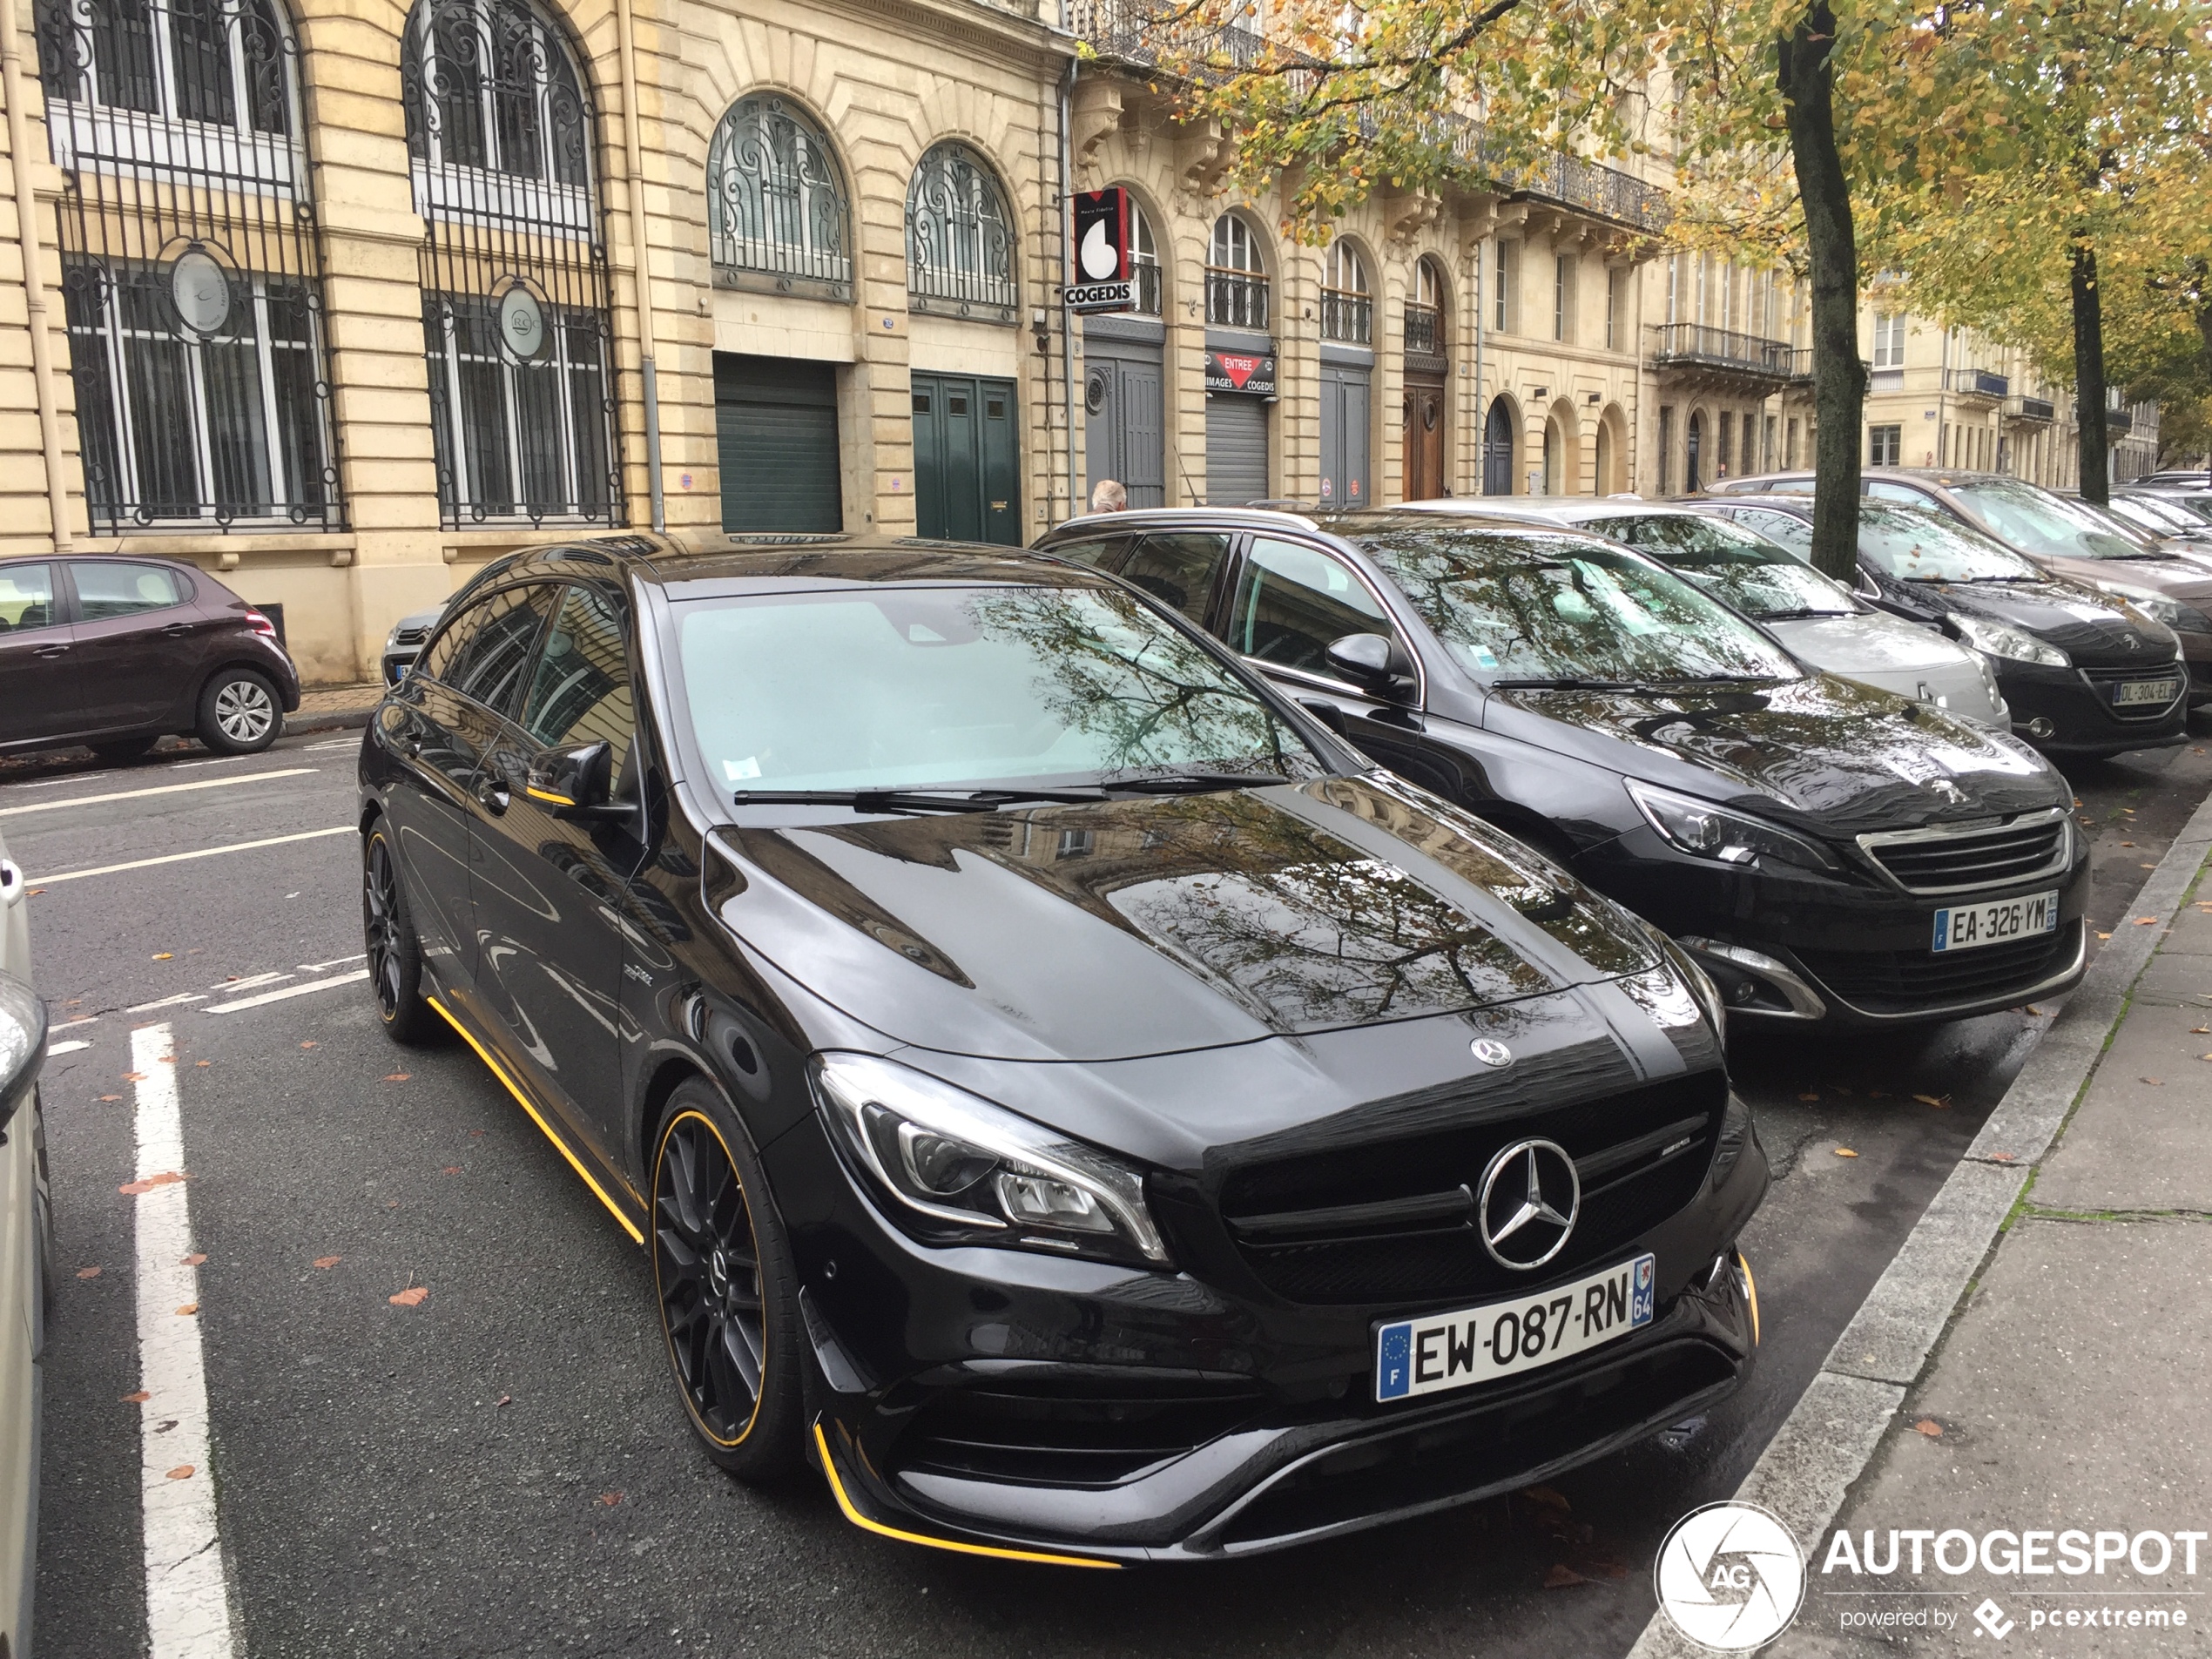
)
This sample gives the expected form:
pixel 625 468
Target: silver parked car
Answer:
pixel 26 1254
pixel 1817 618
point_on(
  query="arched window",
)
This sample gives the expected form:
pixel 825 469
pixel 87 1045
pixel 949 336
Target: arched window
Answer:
pixel 1424 335
pixel 500 133
pixel 777 210
pixel 1497 449
pixel 960 240
pixel 1347 308
pixel 1235 276
pixel 191 271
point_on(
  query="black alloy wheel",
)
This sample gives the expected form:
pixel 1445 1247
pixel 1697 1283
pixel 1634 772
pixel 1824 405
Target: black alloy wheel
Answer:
pixel 728 1297
pixel 394 948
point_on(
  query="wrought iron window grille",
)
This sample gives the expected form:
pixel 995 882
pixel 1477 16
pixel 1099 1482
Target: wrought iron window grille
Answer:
pixel 959 243
pixel 779 217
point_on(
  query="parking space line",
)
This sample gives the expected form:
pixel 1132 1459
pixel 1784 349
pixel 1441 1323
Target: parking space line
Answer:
pixel 180 858
pixel 158 789
pixel 70 1046
pixel 177 1000
pixel 188 1610
pixel 244 1003
pixel 335 961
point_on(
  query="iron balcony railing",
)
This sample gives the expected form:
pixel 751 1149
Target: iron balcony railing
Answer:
pixel 1236 298
pixel 1140 33
pixel 1697 345
pixel 1976 383
pixel 1424 331
pixel 2020 407
pixel 1346 316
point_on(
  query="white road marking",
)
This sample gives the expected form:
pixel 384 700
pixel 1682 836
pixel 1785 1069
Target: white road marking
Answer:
pixel 180 858
pixel 180 998
pixel 188 1609
pixel 250 982
pixel 335 961
pixel 243 1003
pixel 158 789
pixel 338 743
pixel 70 1046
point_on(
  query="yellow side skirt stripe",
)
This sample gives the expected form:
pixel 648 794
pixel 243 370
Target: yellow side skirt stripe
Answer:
pixel 1752 1285
pixel 522 1100
pixel 829 1467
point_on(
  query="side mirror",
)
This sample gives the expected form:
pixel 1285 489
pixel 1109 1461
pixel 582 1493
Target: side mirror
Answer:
pixel 23 1045
pixel 1376 664
pixel 576 784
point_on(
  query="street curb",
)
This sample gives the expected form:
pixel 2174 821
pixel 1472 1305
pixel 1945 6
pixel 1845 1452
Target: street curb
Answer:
pixel 337 720
pixel 1832 1433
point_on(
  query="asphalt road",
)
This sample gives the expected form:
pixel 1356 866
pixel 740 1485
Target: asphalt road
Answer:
pixel 502 1468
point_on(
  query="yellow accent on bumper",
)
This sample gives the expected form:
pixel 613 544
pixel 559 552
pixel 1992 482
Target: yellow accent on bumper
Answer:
pixel 523 1100
pixel 837 1487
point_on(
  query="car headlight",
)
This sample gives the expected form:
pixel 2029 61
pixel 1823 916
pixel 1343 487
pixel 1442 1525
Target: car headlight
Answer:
pixel 22 1041
pixel 2002 640
pixel 961 1170
pixel 2156 609
pixel 1713 832
pixel 1704 995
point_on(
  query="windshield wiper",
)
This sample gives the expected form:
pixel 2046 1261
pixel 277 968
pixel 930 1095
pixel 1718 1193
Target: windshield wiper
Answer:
pixel 1800 614
pixel 1192 783
pixel 907 800
pixel 1568 683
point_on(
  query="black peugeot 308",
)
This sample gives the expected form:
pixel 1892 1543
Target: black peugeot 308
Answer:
pixel 1070 1098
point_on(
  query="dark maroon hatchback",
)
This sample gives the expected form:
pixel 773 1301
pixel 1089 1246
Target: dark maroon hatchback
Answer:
pixel 119 652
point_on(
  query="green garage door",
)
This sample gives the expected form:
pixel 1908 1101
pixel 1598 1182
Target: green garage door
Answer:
pixel 775 421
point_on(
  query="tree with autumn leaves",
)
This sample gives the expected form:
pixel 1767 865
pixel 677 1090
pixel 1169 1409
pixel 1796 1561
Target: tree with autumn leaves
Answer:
pixel 1795 130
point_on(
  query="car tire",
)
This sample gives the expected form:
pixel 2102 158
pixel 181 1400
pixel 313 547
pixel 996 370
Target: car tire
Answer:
pixel 394 948
pixel 239 712
pixel 727 1291
pixel 122 751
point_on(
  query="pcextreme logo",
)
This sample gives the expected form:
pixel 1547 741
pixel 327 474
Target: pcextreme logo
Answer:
pixel 1730 1577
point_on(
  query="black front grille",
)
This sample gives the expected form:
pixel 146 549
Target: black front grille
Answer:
pixel 1903 981
pixel 409 636
pixel 1081 1433
pixel 1634 1176
pixel 2107 681
pixel 1986 858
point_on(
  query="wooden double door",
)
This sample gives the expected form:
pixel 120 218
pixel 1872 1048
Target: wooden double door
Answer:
pixel 1424 446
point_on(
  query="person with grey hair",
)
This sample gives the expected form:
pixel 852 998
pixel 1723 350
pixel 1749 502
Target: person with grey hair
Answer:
pixel 1109 497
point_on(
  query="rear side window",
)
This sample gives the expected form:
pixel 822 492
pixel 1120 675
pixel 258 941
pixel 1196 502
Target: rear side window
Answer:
pixel 1293 601
pixel 26 596
pixel 1178 570
pixel 108 589
pixel 483 652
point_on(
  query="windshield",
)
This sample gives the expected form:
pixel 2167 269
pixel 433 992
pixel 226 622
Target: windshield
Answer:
pixel 1566 607
pixel 960 688
pixel 2155 517
pixel 1746 571
pixel 1918 544
pixel 2038 523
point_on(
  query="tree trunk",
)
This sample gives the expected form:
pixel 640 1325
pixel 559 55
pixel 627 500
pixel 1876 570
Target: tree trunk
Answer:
pixel 2089 377
pixel 1806 77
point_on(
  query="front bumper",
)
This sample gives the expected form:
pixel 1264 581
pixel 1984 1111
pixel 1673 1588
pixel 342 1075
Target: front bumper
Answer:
pixel 1007 1404
pixel 1785 946
pixel 2068 710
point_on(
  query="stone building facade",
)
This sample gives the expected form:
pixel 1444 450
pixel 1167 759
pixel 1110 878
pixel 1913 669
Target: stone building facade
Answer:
pixel 342 300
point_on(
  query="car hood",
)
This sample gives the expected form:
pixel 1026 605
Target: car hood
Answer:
pixel 2086 625
pixel 1856 646
pixel 2184 573
pixel 1830 756
pixel 1157 925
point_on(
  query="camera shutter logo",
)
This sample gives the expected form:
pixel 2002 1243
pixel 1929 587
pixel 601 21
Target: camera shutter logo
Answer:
pixel 1730 1577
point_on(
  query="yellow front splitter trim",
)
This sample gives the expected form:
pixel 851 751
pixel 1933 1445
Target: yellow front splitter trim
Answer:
pixel 523 1100
pixel 837 1487
pixel 1751 1286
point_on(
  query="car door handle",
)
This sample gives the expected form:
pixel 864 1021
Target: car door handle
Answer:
pixel 176 630
pixel 49 650
pixel 493 796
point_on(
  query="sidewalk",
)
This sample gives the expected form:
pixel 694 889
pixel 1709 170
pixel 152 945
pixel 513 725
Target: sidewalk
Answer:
pixel 334 707
pixel 2071 1391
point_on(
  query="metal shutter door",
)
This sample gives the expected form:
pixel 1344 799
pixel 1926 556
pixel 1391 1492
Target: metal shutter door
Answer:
pixel 1236 450
pixel 776 432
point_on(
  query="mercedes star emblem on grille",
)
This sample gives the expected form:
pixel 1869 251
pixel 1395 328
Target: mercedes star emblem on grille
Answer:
pixel 1530 1198
pixel 1491 1052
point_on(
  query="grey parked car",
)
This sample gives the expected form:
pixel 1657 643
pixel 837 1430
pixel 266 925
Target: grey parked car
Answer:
pixel 26 1255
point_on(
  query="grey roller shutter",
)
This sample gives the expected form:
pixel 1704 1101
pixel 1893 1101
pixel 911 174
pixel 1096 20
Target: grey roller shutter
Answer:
pixel 775 430
pixel 1236 450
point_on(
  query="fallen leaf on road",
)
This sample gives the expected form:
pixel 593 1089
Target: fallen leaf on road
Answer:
pixel 450 1168
pixel 106 1098
pixel 1808 1097
pixel 1929 1427
pixel 2146 866
pixel 88 1272
pixel 2032 1009
pixel 391 1204
pixel 33 893
pixel 399 1076
pixel 2126 844
pixel 1939 1102
pixel 410 1298
pixel 166 1178
pixel 196 1259
pixel 2002 1157
pixel 167 1059
pixel 475 1134
pixel 139 1399
pixel 2147 921
pixel 165 956
pixel 1562 1576
pixel 328 1261
pixel 2104 935
pixel 134 1076
pixel 610 1498
pixel 1845 1152
pixel 2155 1081
pixel 1877 1094
pixel 309 1043
pixel 188 1310
pixel 504 1400
pixel 203 1062
pixel 182 1472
